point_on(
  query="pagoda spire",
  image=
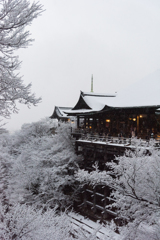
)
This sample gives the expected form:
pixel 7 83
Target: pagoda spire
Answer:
pixel 92 83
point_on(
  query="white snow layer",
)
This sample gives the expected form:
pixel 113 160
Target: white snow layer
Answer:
pixel 145 92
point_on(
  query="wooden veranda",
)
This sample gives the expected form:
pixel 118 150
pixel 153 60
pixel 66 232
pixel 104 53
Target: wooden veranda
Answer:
pixel 136 122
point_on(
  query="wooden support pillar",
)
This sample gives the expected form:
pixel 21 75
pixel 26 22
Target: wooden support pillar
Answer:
pixel 77 121
pixel 88 123
pixel 76 147
pixel 94 153
pixel 94 199
pixel 105 215
pixel 105 157
pixel 104 123
pixel 111 125
pixel 137 125
pixel 117 125
pixel 94 123
pixel 84 122
pixel 84 197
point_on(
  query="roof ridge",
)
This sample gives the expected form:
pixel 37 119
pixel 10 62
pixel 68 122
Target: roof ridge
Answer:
pixel 97 94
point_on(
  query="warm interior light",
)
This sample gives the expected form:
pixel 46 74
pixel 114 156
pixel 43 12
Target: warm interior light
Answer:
pixel 140 116
pixel 90 127
pixel 108 120
pixel 134 119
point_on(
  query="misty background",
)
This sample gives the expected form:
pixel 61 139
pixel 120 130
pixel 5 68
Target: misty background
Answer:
pixel 116 41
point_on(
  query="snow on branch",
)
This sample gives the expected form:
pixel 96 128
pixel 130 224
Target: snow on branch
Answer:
pixel 14 17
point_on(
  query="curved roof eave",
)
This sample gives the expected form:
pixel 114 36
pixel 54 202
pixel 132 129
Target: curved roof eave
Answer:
pixel 81 104
pixel 106 108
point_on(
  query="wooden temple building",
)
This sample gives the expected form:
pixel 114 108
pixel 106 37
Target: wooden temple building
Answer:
pixel 107 125
pixel 111 115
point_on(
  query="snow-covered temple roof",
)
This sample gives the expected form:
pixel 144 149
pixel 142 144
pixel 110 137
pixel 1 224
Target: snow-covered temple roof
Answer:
pixel 144 93
pixel 90 102
pixel 59 112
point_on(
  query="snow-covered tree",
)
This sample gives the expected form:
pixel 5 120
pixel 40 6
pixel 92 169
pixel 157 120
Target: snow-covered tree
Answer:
pixel 43 165
pixel 36 180
pixel 135 180
pixel 15 16
pixel 26 222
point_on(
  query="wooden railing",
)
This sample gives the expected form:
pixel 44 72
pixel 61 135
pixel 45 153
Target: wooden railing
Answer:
pixel 86 136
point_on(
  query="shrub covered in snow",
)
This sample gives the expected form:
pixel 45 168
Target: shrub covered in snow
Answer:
pixel 26 222
pixel 44 165
pixel 37 165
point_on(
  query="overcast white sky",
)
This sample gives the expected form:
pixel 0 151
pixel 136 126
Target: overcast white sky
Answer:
pixel 118 41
